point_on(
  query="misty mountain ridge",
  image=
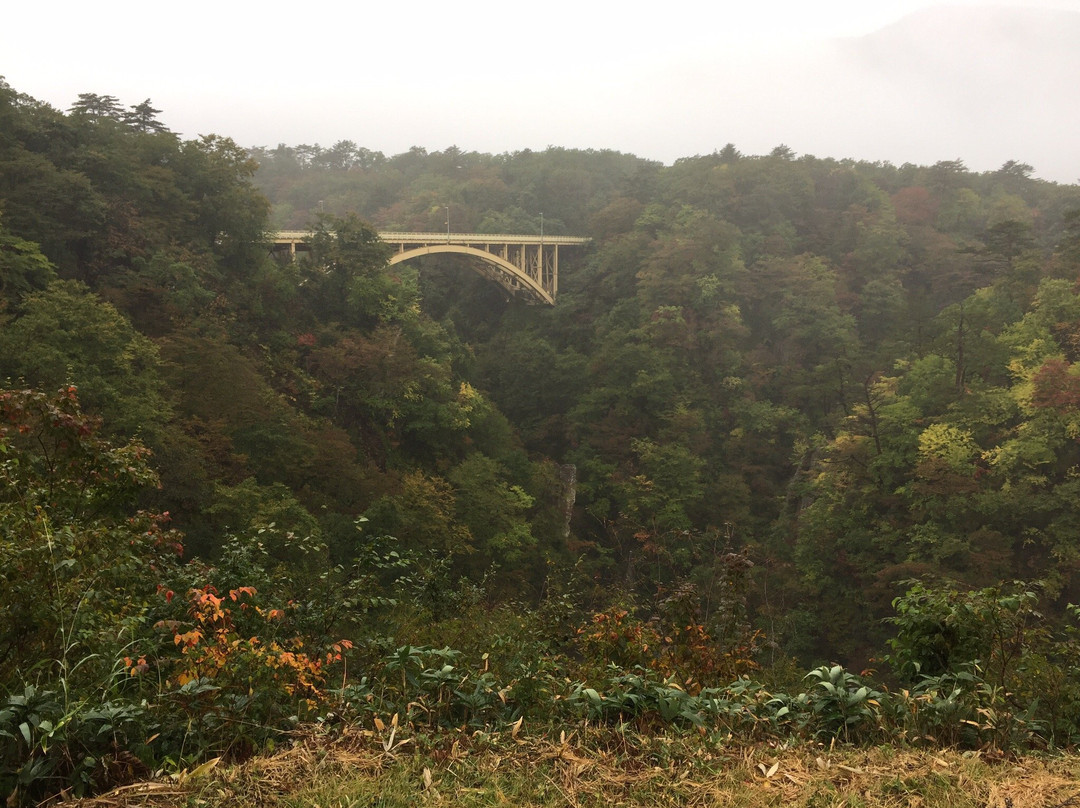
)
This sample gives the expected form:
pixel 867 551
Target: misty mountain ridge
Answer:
pixel 984 86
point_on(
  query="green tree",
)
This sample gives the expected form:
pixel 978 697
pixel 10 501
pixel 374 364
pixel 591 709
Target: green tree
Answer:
pixel 143 118
pixel 495 510
pixel 349 278
pixel 23 269
pixel 813 341
pixel 77 569
pixel 94 106
pixel 423 516
pixel 65 335
pixel 229 215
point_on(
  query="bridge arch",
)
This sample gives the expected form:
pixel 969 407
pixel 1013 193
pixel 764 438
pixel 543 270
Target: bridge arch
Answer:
pixel 506 274
pixel 524 265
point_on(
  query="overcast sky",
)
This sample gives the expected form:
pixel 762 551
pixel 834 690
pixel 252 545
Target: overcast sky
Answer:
pixel 896 80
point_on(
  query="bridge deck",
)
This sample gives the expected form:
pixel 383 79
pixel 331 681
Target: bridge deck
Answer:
pixel 394 237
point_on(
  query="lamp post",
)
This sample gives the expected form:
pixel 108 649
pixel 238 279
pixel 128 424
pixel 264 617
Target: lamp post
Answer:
pixel 541 227
pixel 447 223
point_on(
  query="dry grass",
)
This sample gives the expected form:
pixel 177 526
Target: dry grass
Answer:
pixel 593 768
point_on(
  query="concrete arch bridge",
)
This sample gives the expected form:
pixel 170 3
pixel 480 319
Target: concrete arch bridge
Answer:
pixel 525 266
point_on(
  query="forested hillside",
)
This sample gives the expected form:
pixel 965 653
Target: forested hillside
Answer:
pixel 858 372
pixel 775 394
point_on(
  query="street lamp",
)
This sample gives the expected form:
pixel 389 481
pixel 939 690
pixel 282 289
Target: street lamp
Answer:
pixel 541 227
pixel 447 223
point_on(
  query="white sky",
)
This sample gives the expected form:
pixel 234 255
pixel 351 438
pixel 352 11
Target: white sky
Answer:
pixel 663 80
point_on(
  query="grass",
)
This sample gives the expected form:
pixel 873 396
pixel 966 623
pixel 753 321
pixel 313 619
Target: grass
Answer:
pixel 604 768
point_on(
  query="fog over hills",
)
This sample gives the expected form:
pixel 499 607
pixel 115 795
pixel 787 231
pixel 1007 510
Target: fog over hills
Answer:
pixel 991 84
pixel 984 85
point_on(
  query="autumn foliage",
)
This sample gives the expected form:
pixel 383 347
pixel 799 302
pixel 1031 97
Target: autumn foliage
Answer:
pixel 213 648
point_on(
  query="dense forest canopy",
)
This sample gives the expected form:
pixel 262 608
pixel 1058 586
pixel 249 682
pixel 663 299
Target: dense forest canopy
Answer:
pixel 774 391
